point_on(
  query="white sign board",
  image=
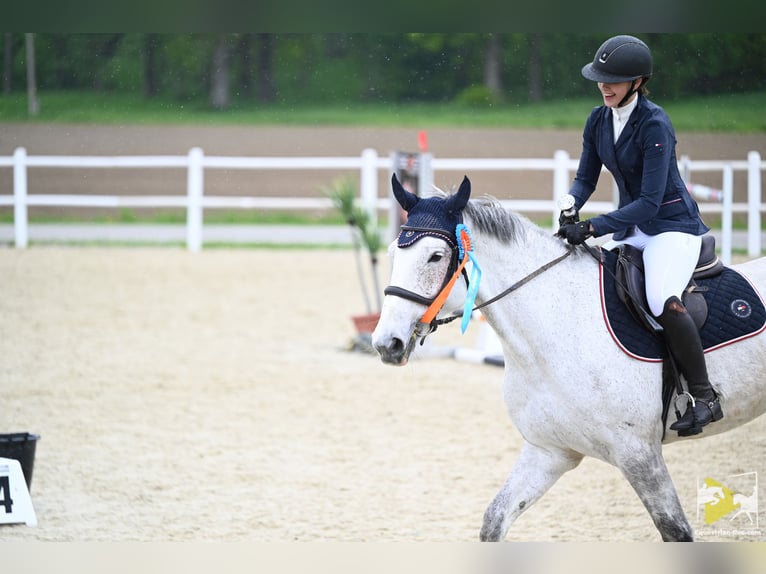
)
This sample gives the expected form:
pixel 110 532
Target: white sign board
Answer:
pixel 15 502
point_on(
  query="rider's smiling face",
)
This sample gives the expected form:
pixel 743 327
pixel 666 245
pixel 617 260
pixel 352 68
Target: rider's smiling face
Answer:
pixel 614 93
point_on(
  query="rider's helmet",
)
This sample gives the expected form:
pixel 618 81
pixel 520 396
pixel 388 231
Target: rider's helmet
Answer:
pixel 620 59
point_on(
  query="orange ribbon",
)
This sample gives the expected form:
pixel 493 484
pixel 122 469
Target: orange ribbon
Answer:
pixel 441 298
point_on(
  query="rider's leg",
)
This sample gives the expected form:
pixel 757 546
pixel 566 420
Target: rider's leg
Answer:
pixel 684 342
pixel 669 260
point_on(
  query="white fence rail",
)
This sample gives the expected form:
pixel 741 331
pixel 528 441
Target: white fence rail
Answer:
pixel 368 163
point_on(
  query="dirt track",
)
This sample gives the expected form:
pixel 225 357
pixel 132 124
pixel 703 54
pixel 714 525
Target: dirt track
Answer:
pixel 210 396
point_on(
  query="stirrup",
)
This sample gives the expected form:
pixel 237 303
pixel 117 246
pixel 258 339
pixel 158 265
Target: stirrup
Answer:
pixel 691 423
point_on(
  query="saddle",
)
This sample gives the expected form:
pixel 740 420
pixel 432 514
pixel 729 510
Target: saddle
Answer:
pixel 631 285
pixel 724 306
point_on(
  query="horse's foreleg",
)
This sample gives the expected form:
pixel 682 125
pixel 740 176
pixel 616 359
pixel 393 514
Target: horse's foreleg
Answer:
pixel 649 477
pixel 534 472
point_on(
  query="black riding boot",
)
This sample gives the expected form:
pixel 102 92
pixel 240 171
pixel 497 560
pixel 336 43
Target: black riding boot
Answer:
pixel 683 339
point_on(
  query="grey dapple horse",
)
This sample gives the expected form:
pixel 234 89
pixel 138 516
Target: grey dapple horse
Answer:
pixel 567 387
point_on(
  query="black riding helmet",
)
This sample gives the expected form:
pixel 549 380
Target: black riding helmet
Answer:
pixel 620 59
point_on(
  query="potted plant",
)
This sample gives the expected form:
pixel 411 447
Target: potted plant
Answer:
pixel 366 238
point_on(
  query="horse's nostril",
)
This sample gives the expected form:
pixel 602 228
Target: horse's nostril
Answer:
pixel 391 350
pixel 397 346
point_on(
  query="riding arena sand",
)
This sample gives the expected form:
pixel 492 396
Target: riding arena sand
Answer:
pixel 213 396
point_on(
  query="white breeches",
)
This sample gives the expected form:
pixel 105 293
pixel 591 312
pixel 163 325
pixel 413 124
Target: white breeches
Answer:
pixel 669 261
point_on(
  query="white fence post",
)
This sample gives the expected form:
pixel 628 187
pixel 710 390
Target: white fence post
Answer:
pixel 754 204
pixel 20 223
pixel 425 175
pixel 726 214
pixel 683 167
pixel 560 182
pixel 194 190
pixel 369 183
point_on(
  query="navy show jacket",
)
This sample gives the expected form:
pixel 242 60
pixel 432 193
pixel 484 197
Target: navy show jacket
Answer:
pixel 653 197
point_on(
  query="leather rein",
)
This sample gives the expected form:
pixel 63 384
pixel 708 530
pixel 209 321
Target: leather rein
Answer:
pixel 520 283
pixel 455 269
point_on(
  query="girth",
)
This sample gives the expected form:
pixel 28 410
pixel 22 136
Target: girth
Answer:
pixel 631 285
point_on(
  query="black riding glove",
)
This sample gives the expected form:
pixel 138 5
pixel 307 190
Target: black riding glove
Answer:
pixel 575 233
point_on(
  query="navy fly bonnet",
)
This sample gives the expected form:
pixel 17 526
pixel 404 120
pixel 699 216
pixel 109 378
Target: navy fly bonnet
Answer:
pixel 434 216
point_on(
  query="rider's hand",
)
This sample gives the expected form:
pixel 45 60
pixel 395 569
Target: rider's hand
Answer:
pixel 568 216
pixel 575 233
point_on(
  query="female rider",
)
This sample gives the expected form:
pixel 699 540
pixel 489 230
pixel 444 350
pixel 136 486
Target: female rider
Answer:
pixel 635 140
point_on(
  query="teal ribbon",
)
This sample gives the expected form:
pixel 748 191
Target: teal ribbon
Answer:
pixel 475 276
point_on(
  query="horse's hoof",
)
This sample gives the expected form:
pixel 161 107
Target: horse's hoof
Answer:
pixel 492 529
pixel 487 535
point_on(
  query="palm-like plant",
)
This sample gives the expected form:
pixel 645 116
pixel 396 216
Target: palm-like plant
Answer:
pixel 364 232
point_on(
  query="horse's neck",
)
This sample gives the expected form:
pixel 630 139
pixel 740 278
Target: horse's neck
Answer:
pixel 508 263
pixel 568 291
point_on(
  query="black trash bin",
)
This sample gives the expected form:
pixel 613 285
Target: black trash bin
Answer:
pixel 20 446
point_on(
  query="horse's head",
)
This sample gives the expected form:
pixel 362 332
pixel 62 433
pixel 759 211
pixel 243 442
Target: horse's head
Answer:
pixel 424 259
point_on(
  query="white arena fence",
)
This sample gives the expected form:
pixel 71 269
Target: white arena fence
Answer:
pixel 368 163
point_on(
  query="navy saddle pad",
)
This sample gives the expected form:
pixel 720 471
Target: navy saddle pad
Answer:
pixel 735 312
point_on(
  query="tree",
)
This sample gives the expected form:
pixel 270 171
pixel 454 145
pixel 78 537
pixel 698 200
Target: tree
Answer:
pixel 8 63
pixel 150 47
pixel 105 47
pixel 266 90
pixel 534 68
pixel 493 76
pixel 377 67
pixel 220 89
pixel 246 67
pixel 33 104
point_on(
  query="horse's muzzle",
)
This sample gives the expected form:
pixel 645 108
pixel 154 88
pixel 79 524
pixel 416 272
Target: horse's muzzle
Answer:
pixel 393 350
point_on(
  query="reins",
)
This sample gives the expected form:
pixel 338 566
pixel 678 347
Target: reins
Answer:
pixel 464 254
pixel 520 283
pixel 435 304
pixel 431 314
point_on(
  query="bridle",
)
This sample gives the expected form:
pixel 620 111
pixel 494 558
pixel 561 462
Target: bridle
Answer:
pixel 452 270
pixel 435 304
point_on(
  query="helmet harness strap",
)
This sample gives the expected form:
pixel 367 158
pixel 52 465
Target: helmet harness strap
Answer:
pixel 630 93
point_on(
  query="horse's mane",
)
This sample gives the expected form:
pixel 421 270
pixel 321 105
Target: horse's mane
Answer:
pixel 488 216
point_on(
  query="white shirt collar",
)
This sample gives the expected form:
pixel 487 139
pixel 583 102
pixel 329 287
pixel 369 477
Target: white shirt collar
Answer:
pixel 620 116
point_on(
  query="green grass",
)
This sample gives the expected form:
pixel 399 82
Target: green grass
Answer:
pixel 239 217
pixel 737 113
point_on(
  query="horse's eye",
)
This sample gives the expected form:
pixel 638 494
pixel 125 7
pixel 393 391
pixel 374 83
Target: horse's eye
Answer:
pixel 435 258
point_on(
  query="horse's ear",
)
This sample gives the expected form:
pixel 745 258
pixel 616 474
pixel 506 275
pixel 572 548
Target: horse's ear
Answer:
pixel 459 200
pixel 405 198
